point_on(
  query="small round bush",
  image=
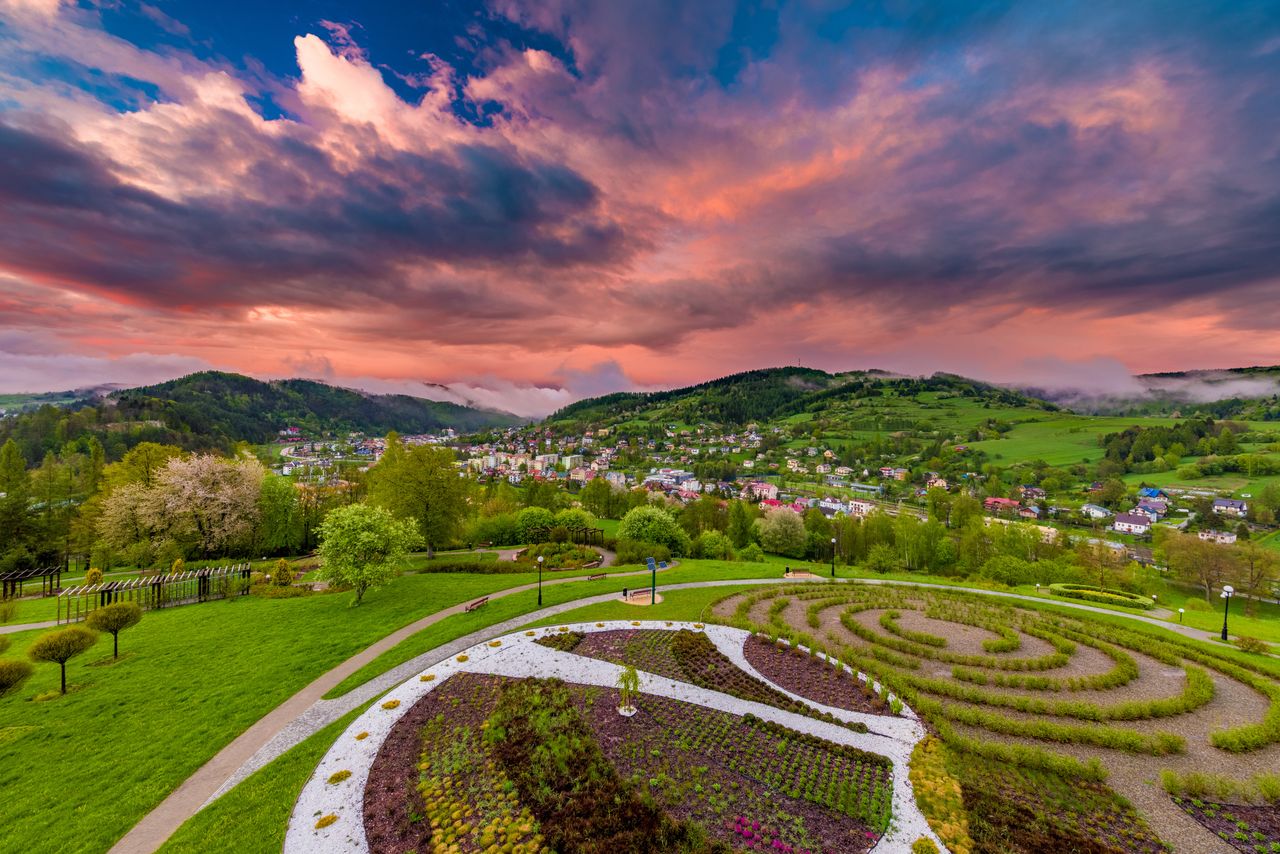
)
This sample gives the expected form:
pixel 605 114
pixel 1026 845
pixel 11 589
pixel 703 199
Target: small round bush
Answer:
pixel 751 553
pixel 282 575
pixel 924 845
pixel 93 576
pixel 13 673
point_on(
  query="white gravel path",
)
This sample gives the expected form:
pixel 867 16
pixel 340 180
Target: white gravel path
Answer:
pixel 516 655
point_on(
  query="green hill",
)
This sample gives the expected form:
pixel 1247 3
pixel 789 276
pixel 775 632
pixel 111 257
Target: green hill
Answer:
pixel 861 400
pixel 213 409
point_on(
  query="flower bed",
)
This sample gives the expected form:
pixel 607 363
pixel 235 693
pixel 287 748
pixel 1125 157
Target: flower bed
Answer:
pixel 557 556
pixel 1101 595
pixel 486 763
pixel 811 677
pixel 690 657
pixel 563 641
pixel 1252 829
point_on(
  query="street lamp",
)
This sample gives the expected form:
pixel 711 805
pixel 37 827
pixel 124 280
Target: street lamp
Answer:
pixel 540 559
pixel 833 557
pixel 1227 590
pixel 1181 611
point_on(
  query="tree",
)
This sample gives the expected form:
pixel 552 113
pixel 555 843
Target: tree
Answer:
pixel 597 498
pixel 1257 569
pixel 279 517
pixel 740 523
pixel 15 488
pixel 421 483
pixel 533 523
pixel 654 525
pixel 62 646
pixel 782 532
pixel 282 574
pixel 882 558
pixel 361 546
pixel 114 619
pixel 13 672
pixel 1194 561
pixel 207 500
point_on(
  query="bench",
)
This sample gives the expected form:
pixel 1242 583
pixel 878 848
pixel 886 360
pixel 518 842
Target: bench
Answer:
pixel 597 576
pixel 476 604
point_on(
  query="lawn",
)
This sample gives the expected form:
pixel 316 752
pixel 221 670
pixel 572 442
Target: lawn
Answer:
pixel 189 680
pixel 1059 439
pixel 252 818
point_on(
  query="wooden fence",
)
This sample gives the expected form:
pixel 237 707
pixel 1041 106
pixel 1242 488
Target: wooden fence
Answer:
pixel 159 591
pixel 12 584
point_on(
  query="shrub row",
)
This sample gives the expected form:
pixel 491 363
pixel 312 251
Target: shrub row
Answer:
pixel 939 796
pixel 1262 789
pixel 889 622
pixel 1101 595
pixel 1045 662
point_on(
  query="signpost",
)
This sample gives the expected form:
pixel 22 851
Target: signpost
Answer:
pixel 653 584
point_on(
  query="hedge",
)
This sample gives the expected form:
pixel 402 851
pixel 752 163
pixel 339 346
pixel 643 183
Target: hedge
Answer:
pixel 1101 595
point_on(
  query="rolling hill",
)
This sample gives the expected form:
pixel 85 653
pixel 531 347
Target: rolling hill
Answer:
pixel 213 409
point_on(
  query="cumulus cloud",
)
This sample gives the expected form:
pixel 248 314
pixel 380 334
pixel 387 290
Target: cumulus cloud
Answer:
pixel 675 189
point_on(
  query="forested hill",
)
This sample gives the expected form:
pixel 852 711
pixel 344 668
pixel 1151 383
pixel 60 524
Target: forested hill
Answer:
pixel 774 393
pixel 215 410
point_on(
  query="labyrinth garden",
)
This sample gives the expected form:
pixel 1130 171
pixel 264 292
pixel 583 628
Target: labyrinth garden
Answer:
pixel 1050 729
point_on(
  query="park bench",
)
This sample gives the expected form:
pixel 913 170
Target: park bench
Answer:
pixel 471 606
pixel 597 576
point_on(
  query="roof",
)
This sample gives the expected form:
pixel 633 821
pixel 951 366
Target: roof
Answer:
pixel 1133 519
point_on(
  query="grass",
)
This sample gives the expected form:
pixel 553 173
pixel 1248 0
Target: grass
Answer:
pixel 189 681
pixel 252 818
pixel 685 605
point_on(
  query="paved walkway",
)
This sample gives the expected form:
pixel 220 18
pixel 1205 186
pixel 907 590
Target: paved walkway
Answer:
pixel 306 712
pixel 23 627
pixel 290 718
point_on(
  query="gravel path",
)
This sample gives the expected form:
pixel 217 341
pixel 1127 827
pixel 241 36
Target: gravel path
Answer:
pixel 517 656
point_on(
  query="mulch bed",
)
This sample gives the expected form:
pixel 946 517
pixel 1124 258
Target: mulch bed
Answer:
pixel 1255 829
pixel 812 678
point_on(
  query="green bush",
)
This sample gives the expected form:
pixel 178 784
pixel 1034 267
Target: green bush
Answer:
pixel 93 576
pixel 713 545
pixel 632 551
pixel 282 574
pixel 61 646
pixel 1101 595
pixel 557 555
pixel 924 845
pixel 500 530
pixel 751 553
pixel 532 523
pixel 13 672
pixel 1253 645
pixel 113 619
pixel 654 525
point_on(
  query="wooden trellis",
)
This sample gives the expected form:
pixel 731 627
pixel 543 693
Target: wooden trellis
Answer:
pixel 160 591
pixel 12 584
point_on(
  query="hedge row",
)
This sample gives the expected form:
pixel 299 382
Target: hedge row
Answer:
pixel 1101 595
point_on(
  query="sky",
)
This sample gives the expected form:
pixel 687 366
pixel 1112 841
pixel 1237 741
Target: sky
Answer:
pixel 518 203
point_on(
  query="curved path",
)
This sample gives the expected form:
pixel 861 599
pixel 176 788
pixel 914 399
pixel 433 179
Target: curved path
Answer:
pixel 516 656
pixel 306 712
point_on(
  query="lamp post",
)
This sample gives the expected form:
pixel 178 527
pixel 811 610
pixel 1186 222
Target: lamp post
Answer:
pixel 1181 611
pixel 833 557
pixel 1227 590
pixel 540 558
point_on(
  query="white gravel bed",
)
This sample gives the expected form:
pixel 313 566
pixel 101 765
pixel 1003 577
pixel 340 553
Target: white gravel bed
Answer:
pixel 516 655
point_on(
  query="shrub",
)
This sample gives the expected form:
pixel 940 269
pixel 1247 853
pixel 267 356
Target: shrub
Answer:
pixel 114 619
pixel 1101 595
pixel 532 522
pixel 751 553
pixel 924 845
pixel 93 576
pixel 654 525
pixel 1253 645
pixel 713 545
pixel 782 532
pixel 632 551
pixel 178 565
pixel 1197 605
pixel 282 575
pixel 61 646
pixel 13 672
pixel 501 530
pixel 8 610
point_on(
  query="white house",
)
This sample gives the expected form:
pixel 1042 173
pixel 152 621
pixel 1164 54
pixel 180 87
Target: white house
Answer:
pixel 1131 523
pixel 1230 507
pixel 858 507
pixel 1226 538
pixel 1095 511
